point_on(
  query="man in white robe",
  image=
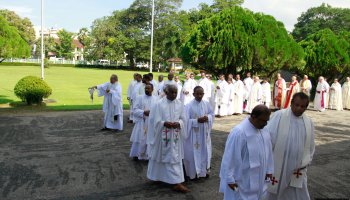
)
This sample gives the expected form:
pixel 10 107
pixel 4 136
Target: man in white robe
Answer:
pixel 292 136
pixel 193 79
pixel 346 93
pixel 197 147
pixel 239 96
pixel 306 85
pixel 165 137
pixel 179 86
pixel 160 85
pixel 292 89
pixel 320 96
pixel 129 96
pixel 247 163
pixel 212 86
pixel 255 95
pixel 112 103
pixel 154 83
pixel 138 137
pixel 326 94
pixel 206 85
pixel 170 81
pixel 266 93
pixel 221 97
pixel 335 96
pixel 231 96
pixel 248 84
pixel 279 92
pixel 187 90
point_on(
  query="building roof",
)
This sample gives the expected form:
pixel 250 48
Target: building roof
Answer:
pixel 175 60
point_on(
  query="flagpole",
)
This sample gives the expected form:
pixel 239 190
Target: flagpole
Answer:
pixel 42 39
pixel 152 27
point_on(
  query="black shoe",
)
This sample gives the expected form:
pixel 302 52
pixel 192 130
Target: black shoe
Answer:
pixel 105 129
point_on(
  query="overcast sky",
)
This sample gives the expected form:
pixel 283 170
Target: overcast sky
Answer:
pixel 75 14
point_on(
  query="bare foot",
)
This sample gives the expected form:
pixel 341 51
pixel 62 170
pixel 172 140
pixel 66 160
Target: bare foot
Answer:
pixel 181 188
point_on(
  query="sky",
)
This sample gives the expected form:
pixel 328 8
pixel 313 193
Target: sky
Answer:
pixel 75 14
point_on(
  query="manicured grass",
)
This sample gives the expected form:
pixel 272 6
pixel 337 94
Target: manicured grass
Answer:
pixel 69 85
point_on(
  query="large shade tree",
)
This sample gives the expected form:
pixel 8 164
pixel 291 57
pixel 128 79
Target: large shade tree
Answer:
pixel 327 54
pixel 319 18
pixel 23 25
pixel 237 40
pixel 11 42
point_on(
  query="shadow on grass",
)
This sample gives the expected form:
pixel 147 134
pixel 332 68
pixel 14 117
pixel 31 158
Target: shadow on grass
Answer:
pixel 19 106
pixel 4 99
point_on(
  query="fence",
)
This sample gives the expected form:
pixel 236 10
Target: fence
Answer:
pixel 38 61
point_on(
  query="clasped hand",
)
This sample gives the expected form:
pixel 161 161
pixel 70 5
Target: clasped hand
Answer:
pixel 146 113
pixel 203 119
pixel 172 124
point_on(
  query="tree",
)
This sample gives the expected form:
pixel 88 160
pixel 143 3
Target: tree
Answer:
pixel 327 54
pixel 11 42
pixel 223 4
pixel 49 46
pixel 24 26
pixel 64 47
pixel 237 40
pixel 319 18
pixel 274 48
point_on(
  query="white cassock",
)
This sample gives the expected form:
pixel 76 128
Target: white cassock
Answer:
pixel 231 97
pixel 320 96
pixel 212 96
pixel 248 84
pixel 207 87
pixel 187 91
pixel 179 89
pixel 139 132
pixel 254 97
pixel 166 145
pixel 239 97
pixel 160 88
pixel 129 95
pixel 221 98
pixel 112 104
pixel 327 94
pixel 346 95
pixel 155 87
pixel 306 85
pixel 138 90
pixel 197 146
pixel 293 145
pixel 266 94
pixel 335 97
pixel 246 161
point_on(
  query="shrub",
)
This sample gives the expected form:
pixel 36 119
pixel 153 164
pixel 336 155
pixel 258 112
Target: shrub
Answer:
pixel 32 89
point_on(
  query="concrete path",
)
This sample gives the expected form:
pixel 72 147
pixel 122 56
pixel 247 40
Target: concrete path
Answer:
pixel 63 155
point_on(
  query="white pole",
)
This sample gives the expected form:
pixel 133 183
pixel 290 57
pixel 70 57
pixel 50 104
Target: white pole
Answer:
pixel 152 26
pixel 42 39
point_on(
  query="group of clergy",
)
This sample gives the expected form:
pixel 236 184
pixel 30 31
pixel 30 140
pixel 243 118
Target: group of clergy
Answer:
pixel 334 97
pixel 264 158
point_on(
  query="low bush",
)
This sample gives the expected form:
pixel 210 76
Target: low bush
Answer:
pixel 32 89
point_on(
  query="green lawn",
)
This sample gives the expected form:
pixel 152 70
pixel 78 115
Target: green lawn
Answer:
pixel 69 85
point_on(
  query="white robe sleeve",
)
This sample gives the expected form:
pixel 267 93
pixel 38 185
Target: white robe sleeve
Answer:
pixel 117 95
pixel 138 109
pixel 101 89
pixel 232 159
pixel 151 125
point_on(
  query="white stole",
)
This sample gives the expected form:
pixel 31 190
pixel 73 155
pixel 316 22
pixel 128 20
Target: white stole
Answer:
pixel 279 150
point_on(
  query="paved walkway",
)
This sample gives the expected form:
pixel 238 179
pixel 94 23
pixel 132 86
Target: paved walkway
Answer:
pixel 63 155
